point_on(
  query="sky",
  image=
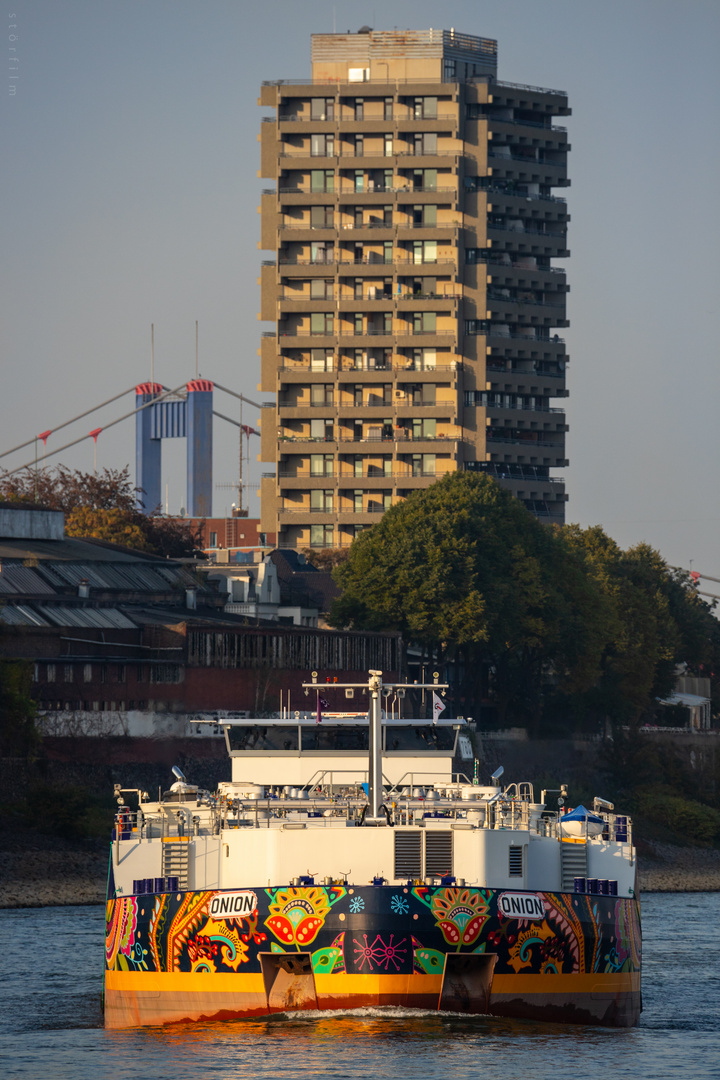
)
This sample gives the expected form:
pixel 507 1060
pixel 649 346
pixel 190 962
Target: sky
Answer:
pixel 128 173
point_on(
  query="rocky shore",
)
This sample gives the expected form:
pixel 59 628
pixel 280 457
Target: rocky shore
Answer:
pixel 669 868
pixel 52 878
pixel 41 878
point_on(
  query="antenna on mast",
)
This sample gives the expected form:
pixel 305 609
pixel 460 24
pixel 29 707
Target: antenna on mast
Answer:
pixel 196 348
pixel 152 352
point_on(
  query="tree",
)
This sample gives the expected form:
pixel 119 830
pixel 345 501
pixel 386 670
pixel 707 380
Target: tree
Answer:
pixel 465 571
pixel 67 489
pixel 18 735
pixel 102 507
pixel 559 627
pixel 655 621
pixel 326 558
pixel 115 526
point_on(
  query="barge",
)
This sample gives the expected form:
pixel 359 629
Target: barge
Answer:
pixel 346 864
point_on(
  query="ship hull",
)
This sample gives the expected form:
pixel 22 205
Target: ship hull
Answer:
pixel 249 952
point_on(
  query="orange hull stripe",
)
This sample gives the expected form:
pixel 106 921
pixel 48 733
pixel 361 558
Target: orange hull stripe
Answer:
pixel 343 984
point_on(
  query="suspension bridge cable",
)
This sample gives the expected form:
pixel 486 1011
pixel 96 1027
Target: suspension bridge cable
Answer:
pixel 240 396
pixel 90 435
pixel 67 423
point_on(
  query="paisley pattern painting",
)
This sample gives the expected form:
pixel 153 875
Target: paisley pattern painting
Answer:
pixel 368 930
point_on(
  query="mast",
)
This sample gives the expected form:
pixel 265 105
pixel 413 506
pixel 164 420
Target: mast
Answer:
pixel 375 788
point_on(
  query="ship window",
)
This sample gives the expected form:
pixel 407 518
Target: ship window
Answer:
pixel 408 855
pixel 515 861
pixel 261 737
pixel 419 739
pixel 438 853
pixel 327 737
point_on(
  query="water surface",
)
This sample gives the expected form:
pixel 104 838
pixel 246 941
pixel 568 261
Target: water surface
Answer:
pixel 51 1024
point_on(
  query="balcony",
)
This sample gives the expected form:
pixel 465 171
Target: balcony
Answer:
pixel 510 190
pixel 403 436
pixel 500 121
pixel 550 384
pixel 496 339
pixel 508 273
pixel 528 474
pixel 540 170
pixel 374 261
pixel 369 191
pixel 525 309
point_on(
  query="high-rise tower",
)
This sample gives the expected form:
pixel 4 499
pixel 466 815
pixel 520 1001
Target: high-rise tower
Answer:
pixel 413 228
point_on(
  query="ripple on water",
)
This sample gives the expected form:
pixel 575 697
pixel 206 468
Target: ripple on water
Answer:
pixel 51 1025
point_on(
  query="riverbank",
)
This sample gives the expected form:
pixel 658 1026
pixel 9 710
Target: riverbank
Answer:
pixel 40 878
pixel 669 868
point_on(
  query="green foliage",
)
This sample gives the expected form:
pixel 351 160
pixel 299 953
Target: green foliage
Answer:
pixel 557 626
pixel 693 822
pixel 18 735
pixel 72 812
pixel 465 571
pixel 654 620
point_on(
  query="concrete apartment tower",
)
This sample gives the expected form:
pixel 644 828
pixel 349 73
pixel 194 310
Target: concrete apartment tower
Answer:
pixel 413 230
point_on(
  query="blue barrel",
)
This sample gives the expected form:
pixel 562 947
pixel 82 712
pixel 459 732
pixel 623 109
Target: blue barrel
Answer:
pixel 138 885
pixel 579 885
pixel 159 885
pixel 148 885
pixel 592 884
pixel 173 884
pixel 612 888
pixel 603 886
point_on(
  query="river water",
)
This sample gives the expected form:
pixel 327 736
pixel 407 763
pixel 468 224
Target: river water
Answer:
pixel 51 1026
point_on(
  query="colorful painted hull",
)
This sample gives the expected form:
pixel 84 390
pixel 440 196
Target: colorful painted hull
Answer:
pixel 249 952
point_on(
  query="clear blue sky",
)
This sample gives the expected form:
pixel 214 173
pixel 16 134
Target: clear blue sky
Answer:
pixel 128 164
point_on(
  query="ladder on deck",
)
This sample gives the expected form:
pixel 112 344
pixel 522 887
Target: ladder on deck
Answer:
pixel 573 864
pixel 176 861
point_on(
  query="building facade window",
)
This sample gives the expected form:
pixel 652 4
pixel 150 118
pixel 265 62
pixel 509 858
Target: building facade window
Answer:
pixel 166 673
pixel 321 217
pixel 322 251
pixel 322 108
pixel 321 464
pixel 322 145
pixel 322 536
pixel 322 180
pixel 321 501
pixel 321 323
pixel 321 360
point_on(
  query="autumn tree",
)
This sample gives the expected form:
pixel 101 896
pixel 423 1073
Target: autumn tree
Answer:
pixel 102 506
